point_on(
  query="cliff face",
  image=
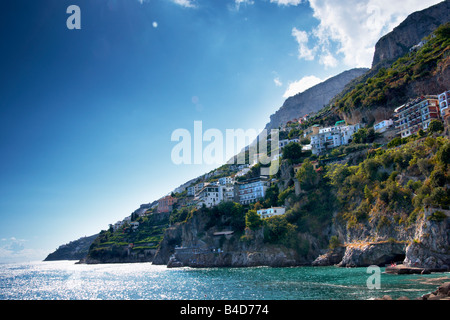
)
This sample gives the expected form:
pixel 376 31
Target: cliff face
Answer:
pixel 313 99
pixel 424 244
pixel 196 243
pixel 410 32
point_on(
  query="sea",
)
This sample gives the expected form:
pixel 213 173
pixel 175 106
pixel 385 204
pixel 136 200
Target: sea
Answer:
pixel 66 280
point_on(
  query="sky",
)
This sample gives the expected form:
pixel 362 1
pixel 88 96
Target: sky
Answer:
pixel 86 115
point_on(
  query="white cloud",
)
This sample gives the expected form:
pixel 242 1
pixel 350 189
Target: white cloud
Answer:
pixel 277 82
pixel 287 2
pixel 354 27
pixel 304 52
pixel 239 2
pixel 301 85
pixel 184 3
pixel 328 60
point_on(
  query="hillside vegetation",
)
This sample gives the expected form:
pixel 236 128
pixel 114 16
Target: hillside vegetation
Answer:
pixel 388 86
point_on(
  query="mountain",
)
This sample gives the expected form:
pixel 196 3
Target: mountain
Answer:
pixel 313 99
pixel 424 70
pixel 409 33
pixel 74 250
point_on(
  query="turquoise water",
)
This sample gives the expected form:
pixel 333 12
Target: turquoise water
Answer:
pixel 69 281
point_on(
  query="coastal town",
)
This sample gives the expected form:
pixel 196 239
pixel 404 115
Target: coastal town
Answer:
pixel 408 119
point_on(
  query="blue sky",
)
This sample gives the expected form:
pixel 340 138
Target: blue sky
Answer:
pixel 86 115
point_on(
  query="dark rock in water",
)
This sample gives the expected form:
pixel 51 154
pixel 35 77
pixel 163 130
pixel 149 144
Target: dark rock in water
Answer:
pixel 174 263
pixel 442 293
pixel 330 258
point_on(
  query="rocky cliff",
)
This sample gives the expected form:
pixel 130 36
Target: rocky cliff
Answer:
pixel 313 99
pixel 374 96
pixel 199 243
pixel 424 244
pixel 409 33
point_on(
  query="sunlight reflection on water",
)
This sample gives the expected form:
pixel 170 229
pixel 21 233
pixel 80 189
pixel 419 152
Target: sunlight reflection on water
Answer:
pixel 65 280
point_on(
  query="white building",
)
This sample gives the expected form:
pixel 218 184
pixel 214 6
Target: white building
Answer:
pixel 209 195
pixel 195 189
pixel 225 181
pixel 118 225
pixel 251 190
pixel 332 137
pixel 284 143
pixel 267 213
pixel 382 126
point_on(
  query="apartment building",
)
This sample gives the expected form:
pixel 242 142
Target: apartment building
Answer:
pixel 209 195
pixel 250 191
pixel 166 204
pixel 332 137
pixel 416 115
pixel 225 181
pixel 444 103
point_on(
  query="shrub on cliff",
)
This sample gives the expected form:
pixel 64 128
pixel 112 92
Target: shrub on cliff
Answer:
pixel 253 220
pixel 277 230
pixel 388 86
pixel 307 176
pixel 293 152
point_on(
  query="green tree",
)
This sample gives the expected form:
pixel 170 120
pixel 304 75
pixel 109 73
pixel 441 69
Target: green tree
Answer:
pixel 364 135
pixel 253 220
pixel 307 176
pixel 292 152
pixel 368 194
pixel 294 133
pixel 337 173
pixel 435 126
pixel 397 141
pixel 271 197
pixel 334 242
pixel 278 230
pixel 443 155
pixel 360 135
pixel 438 178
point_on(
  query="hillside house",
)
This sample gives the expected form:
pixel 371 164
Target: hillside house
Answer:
pixel 382 126
pixel 332 137
pixel 251 190
pixel 166 204
pixel 416 115
pixel 267 213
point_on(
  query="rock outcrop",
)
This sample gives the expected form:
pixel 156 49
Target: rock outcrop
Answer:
pixel 442 293
pixel 430 247
pixel 313 99
pixel 194 244
pixel 424 244
pixel 409 33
